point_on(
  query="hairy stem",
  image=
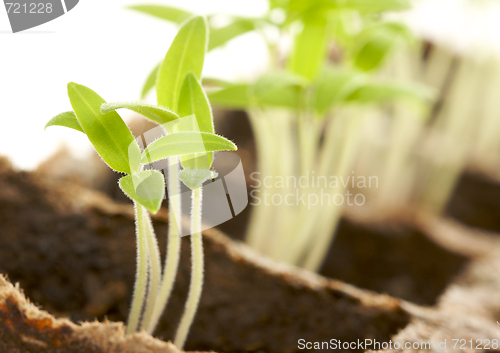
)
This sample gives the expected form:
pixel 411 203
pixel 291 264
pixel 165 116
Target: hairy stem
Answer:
pixel 196 283
pixel 154 272
pixel 174 244
pixel 141 277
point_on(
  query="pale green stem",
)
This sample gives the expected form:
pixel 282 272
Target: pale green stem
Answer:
pixel 141 277
pixel 437 68
pixel 449 158
pixel 298 226
pixel 396 179
pixel 262 215
pixel 487 141
pixel 322 238
pixel 289 216
pixel 196 283
pixel 174 244
pixel 154 273
pixel 328 156
pixel 396 176
pixel 285 162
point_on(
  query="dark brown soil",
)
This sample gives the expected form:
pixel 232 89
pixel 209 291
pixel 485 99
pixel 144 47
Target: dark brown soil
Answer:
pixel 73 253
pixel 476 201
pixel 394 257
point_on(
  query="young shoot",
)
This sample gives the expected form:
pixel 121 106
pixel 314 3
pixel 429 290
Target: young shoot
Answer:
pixel 189 101
pixel 179 95
pixel 298 107
pixel 185 55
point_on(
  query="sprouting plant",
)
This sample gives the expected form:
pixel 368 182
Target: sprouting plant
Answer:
pixel 310 109
pixel 184 113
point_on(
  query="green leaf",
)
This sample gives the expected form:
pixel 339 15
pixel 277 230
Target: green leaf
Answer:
pixel 279 4
pixel 309 52
pixel 167 13
pixel 220 36
pixel 66 119
pixel 194 178
pixel 316 7
pixel 183 143
pixel 186 54
pixel 384 91
pixel 276 81
pixel 193 101
pixel 371 6
pixel 278 89
pixel 108 133
pixel 232 97
pixel 146 188
pixel 288 97
pixel 334 87
pixel 150 81
pixel 267 93
pixel 374 44
pixel 155 113
pixel 215 82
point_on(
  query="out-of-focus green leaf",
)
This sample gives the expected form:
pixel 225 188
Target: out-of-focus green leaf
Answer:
pixel 374 6
pixel 108 133
pixel 375 43
pixel 279 89
pixel 215 82
pixel 167 13
pixel 220 36
pixel 66 119
pixel 287 97
pixel 183 143
pixel 146 187
pixel 193 101
pixel 306 6
pixel 275 81
pixel 155 113
pixel 150 81
pixel 335 86
pixel 264 92
pixel 186 54
pixel 309 50
pixel 233 97
pixel 384 91
pixel 364 6
pixel 283 4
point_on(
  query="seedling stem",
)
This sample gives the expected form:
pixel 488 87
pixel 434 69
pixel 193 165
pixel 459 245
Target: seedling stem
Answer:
pixel 196 283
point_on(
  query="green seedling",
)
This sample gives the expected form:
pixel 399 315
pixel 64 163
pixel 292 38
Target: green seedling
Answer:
pixel 179 95
pixel 308 111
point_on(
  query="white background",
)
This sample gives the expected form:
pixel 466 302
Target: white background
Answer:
pixel 111 49
pixel 107 47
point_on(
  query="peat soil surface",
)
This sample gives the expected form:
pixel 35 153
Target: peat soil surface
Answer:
pixel 476 201
pixel 72 251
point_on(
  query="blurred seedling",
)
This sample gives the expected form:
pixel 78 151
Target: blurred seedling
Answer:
pixel 308 110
